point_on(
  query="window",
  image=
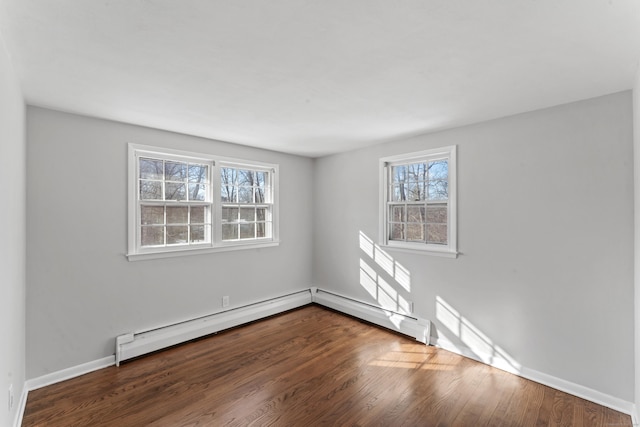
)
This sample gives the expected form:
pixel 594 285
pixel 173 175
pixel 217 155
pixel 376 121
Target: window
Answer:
pixel 183 202
pixel 418 201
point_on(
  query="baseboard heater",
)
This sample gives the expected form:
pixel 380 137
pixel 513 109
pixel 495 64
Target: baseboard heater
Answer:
pixel 138 343
pixel 406 324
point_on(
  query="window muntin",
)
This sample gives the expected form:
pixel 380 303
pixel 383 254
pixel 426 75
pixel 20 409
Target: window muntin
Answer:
pixel 418 200
pixel 181 201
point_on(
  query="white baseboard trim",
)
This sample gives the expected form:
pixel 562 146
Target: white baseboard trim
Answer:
pixel 137 344
pixel 22 404
pixel 68 373
pixel 542 378
pixel 403 323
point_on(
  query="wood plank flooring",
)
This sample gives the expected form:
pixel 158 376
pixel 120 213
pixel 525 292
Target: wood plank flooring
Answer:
pixel 308 367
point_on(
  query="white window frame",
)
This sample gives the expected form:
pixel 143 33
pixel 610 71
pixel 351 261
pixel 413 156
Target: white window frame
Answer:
pixel 449 250
pixel 215 244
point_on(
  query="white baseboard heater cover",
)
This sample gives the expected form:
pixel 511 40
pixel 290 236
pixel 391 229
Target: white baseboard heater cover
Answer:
pixel 406 324
pixel 136 344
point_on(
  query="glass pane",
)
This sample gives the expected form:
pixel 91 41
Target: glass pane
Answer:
pixel 397 232
pixel 415 232
pixel 247 231
pixel 417 172
pixel 439 169
pixel 152 236
pixel 174 191
pixel 229 231
pixel 198 233
pixel 397 213
pixel 261 179
pixel 260 195
pixel 197 214
pixel 150 190
pixel 198 173
pixel 438 190
pixel 175 171
pixel 437 214
pixel 399 193
pixel 228 176
pixel 152 214
pixel 261 214
pixel 245 194
pixel 196 192
pixel 415 214
pixel 246 178
pixel 229 214
pixel 177 214
pixel 399 173
pixel 177 234
pixel 261 229
pixel 247 214
pixel 150 169
pixel 228 193
pixel 437 233
pixel 414 191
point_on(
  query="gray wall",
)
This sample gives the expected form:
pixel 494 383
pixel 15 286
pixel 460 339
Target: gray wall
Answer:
pixel 82 291
pixel 545 230
pixel 12 236
pixel 636 168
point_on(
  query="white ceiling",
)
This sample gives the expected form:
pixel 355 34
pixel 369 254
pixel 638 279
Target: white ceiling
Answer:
pixel 317 77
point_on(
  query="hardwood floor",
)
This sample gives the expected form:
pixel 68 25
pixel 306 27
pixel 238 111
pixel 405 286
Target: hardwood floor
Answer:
pixel 308 367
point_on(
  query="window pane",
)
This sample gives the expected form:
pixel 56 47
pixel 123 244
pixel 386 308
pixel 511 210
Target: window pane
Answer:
pixel 228 176
pixel 437 214
pixel 415 232
pixel 150 190
pixel 177 214
pixel 261 229
pixel 152 214
pixel 247 214
pixel 261 179
pixel 399 173
pixel 438 169
pixel 397 232
pixel 245 195
pixel 417 172
pixel 229 214
pixel 261 214
pixel 247 231
pixel 246 178
pixel 229 231
pixel 198 173
pixel 175 171
pixel 197 192
pixel 397 213
pixel 152 236
pixel 174 191
pixel 415 214
pixel 399 193
pixel 177 234
pixel 228 193
pixel 414 191
pixel 438 190
pixel 437 233
pixel 198 233
pixel 150 169
pixel 197 214
pixel 260 195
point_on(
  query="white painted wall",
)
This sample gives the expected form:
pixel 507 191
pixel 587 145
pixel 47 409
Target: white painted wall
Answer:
pixel 12 237
pixel 82 291
pixel 545 202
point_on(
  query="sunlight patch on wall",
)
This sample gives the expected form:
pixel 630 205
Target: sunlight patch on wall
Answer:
pixel 478 342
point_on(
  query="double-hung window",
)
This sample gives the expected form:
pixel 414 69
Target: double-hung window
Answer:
pixel 418 201
pixel 181 202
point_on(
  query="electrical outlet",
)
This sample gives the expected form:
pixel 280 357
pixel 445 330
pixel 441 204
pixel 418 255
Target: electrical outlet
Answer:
pixel 10 397
pixel 225 301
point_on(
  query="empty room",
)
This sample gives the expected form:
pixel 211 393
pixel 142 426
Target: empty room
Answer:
pixel 291 213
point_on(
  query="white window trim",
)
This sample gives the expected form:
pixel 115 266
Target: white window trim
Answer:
pixel 134 253
pixel 451 249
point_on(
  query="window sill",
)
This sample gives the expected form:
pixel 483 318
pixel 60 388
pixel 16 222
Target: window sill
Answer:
pixel 425 251
pixel 200 251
